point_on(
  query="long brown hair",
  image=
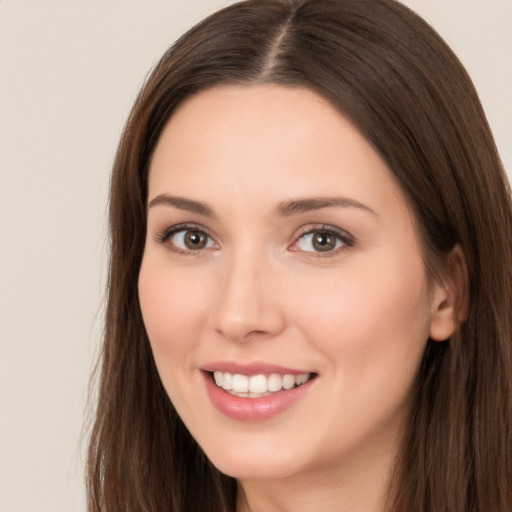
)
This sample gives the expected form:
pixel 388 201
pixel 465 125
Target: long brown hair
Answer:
pixel 392 75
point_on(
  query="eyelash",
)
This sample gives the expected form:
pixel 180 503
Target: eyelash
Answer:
pixel 169 232
pixel 347 241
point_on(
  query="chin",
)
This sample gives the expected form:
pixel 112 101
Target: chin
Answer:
pixel 252 463
pixel 253 470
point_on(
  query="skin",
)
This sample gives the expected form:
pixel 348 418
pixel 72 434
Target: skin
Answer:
pixel 358 316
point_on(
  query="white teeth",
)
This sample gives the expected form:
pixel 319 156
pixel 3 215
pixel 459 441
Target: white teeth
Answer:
pixel 240 383
pixel 227 381
pixel 256 385
pixel 219 378
pixel 301 379
pixel 274 382
pixel 288 382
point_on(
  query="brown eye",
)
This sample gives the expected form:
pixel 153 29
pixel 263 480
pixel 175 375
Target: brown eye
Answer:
pixel 188 239
pixel 323 242
pixel 194 240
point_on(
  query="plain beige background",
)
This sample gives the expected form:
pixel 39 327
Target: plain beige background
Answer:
pixel 69 71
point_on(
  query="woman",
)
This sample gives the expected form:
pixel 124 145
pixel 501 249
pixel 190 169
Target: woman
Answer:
pixel 310 277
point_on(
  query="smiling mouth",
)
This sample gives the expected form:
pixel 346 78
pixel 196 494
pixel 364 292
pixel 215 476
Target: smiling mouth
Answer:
pixel 257 386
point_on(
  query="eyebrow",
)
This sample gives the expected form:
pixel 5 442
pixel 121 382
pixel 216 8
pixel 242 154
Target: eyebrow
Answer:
pixel 182 204
pixel 299 206
pixel 285 209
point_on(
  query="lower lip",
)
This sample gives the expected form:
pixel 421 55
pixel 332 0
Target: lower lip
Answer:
pixel 253 409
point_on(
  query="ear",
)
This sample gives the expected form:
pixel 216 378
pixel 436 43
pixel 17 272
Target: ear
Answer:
pixel 450 298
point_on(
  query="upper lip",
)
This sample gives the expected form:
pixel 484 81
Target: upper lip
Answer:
pixel 254 368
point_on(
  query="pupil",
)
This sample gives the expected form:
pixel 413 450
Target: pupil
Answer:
pixel 324 242
pixel 195 240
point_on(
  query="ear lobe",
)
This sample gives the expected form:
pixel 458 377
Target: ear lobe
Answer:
pixel 450 298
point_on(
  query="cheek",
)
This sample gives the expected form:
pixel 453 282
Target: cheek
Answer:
pixel 370 317
pixel 173 307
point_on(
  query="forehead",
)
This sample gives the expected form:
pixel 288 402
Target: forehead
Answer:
pixel 266 143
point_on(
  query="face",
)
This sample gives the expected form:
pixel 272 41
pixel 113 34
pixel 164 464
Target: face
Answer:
pixel 282 286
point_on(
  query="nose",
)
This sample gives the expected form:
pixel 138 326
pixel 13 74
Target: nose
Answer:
pixel 247 306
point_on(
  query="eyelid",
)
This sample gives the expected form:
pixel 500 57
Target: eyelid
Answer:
pixel 347 239
pixel 163 236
